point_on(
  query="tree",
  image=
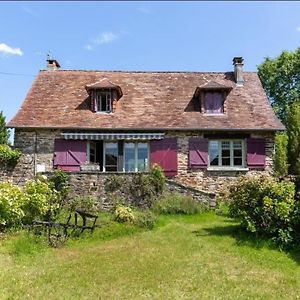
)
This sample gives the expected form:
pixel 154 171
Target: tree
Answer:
pixel 293 132
pixel 281 157
pixel 4 133
pixel 280 78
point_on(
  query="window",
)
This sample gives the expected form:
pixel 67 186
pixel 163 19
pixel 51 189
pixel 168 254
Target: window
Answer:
pixel 103 101
pixel 92 152
pixel 213 102
pixel 226 153
pixel 136 157
pixel 110 157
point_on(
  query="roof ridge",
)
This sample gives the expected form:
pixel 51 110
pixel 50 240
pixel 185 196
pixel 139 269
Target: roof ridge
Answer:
pixel 167 72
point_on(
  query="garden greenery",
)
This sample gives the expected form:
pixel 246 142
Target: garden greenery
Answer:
pixel 38 199
pixel 175 203
pixel 9 156
pixel 266 207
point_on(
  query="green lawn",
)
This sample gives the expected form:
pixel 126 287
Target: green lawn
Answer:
pixel 184 257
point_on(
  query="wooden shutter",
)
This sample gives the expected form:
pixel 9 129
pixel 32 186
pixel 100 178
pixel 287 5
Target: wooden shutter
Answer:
pixel 93 101
pixel 256 153
pixel 69 155
pixel 164 153
pixel 198 153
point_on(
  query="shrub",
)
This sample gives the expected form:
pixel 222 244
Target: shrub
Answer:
pixel 145 219
pixel 87 204
pixel 11 200
pixel 39 200
pixel 59 181
pixel 9 156
pixel 124 214
pixel 176 203
pixel 264 206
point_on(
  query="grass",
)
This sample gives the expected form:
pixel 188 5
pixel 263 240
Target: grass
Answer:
pixel 202 256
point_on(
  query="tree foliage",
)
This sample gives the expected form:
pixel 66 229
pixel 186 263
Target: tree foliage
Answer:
pixel 280 78
pixel 281 155
pixel 293 132
pixel 4 133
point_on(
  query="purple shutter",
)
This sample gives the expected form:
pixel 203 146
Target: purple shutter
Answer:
pixel 164 153
pixel 198 153
pixel 256 153
pixel 69 155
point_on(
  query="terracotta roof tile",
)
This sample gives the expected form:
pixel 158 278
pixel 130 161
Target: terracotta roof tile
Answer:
pixel 151 100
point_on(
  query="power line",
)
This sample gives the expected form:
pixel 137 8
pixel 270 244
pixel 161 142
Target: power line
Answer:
pixel 16 74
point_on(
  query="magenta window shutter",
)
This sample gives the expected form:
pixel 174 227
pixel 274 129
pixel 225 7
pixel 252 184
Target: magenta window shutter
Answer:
pixel 198 153
pixel 69 154
pixel 164 153
pixel 256 153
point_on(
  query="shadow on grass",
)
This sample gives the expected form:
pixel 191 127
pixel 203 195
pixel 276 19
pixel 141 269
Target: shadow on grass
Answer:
pixel 243 238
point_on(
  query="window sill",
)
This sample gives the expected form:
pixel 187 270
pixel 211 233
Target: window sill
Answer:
pixel 227 169
pixel 214 115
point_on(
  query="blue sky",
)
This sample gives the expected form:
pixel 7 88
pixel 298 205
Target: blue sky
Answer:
pixel 173 36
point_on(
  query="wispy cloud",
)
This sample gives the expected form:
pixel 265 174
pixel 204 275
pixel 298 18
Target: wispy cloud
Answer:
pixel 144 10
pixel 103 38
pixel 7 50
pixel 298 28
pixel 28 10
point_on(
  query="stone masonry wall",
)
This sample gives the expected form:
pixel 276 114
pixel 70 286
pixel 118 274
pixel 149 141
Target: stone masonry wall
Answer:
pixel 38 147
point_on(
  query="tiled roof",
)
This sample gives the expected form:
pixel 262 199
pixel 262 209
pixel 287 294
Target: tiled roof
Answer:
pixel 151 100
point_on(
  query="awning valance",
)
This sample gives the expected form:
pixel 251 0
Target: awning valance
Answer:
pixel 112 136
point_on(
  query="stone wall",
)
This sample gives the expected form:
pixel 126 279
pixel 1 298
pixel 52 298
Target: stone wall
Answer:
pixel 214 181
pixel 38 147
pixel 93 184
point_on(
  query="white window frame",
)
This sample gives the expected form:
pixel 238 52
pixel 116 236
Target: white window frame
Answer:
pixel 231 166
pixel 136 156
pixel 104 154
pixel 108 101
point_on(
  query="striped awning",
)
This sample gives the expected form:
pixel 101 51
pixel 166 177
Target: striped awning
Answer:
pixel 112 136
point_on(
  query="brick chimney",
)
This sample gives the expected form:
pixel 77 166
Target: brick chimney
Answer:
pixel 52 64
pixel 238 70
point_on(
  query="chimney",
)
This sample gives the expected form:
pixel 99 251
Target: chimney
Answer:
pixel 52 64
pixel 238 70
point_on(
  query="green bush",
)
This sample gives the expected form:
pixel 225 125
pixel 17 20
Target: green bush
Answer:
pixel 11 200
pixel 87 204
pixel 145 219
pixel 8 156
pixel 59 181
pixel 176 203
pixel 39 200
pixel 264 206
pixel 124 214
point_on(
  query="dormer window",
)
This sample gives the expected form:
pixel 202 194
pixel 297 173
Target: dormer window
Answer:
pixel 213 102
pixel 103 101
pixel 210 98
pixel 104 95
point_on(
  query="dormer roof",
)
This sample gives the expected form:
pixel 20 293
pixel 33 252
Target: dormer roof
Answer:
pixel 104 83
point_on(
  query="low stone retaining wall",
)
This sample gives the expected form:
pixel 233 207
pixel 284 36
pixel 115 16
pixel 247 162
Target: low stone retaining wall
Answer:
pixel 93 184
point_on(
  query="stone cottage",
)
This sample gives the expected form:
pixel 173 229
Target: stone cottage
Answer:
pixel 203 128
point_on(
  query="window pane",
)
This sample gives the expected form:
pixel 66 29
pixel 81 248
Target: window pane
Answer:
pixel 225 161
pixel 213 153
pixel 111 157
pixel 103 102
pixel 237 161
pixel 129 157
pixel 237 145
pixel 213 102
pixel 237 152
pixel 142 156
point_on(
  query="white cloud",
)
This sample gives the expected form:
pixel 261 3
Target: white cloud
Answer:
pixel 298 28
pixel 144 10
pixel 105 38
pixel 7 50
